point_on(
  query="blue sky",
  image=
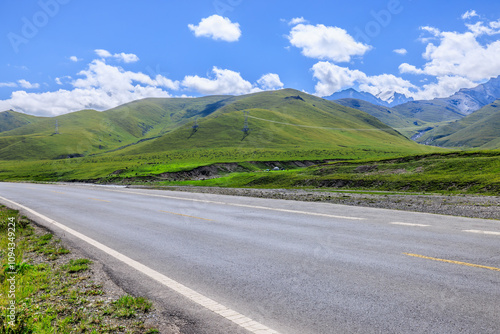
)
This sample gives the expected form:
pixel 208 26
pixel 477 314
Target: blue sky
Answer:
pixel 59 56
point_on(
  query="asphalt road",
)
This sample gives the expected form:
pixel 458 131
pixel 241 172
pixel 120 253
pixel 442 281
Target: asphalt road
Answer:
pixel 295 267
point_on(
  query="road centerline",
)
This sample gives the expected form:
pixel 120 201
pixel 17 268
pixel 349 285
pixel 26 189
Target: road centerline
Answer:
pixel 453 262
pixel 410 224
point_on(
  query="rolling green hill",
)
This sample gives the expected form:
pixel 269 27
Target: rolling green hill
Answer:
pixel 285 120
pixel 478 130
pixel 89 132
pixel 10 120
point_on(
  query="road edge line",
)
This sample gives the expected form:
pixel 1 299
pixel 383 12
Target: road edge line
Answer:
pixel 223 311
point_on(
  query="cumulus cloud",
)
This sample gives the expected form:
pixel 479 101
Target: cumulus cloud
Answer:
pixel 270 81
pixel 455 54
pixel 326 43
pixel 444 87
pixel 125 57
pixel 28 85
pixel 401 52
pixel 100 86
pixel 224 82
pixel 75 59
pixel 297 20
pixel 469 14
pixel 8 84
pixel 333 78
pixel 217 28
pixel 454 60
pixel 103 53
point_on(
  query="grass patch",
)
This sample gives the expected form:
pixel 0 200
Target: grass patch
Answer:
pixel 76 266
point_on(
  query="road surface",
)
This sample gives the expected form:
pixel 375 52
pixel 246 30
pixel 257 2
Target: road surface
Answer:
pixel 278 266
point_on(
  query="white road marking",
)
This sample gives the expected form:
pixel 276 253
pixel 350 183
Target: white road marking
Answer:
pixel 229 314
pixel 240 205
pixel 410 224
pixel 482 232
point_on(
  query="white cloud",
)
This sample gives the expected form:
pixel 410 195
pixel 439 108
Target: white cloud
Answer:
pixel 270 81
pixel 479 28
pixel 297 20
pixel 27 85
pixel 411 69
pixel 326 43
pixel 456 54
pixel 333 78
pixel 469 14
pixel 100 87
pixel 401 52
pixel 444 87
pixel 8 84
pixel 125 57
pixel 217 28
pixel 75 59
pixel 226 82
pixel 66 79
pixel 103 53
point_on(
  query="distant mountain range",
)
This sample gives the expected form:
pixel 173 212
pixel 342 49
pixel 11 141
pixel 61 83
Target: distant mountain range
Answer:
pixel 462 103
pixel 468 118
pixel 391 99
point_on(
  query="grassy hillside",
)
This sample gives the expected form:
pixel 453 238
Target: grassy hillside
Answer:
pixel 153 136
pixel 283 120
pixel 10 120
pixel 90 132
pixel 480 129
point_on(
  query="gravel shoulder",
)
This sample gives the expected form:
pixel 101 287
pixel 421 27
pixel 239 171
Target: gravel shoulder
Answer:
pixel 486 207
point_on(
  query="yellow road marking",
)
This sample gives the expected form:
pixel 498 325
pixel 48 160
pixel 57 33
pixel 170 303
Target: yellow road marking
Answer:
pixel 57 192
pixel 454 262
pixel 100 200
pixel 180 214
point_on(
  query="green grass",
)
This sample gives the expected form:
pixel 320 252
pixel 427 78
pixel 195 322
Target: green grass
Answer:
pixel 458 172
pixel 76 266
